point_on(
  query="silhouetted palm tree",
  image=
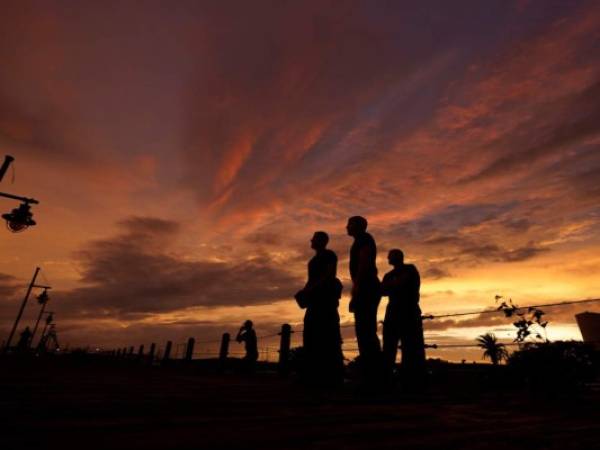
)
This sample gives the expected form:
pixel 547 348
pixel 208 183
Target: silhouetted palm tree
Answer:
pixel 493 349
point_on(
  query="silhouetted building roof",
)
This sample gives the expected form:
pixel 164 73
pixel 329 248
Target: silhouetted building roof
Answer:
pixel 589 325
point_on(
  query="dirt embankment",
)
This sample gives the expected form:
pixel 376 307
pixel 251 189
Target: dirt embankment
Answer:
pixel 104 407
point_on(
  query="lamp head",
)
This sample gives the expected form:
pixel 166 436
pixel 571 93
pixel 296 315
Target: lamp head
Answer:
pixel 43 297
pixel 20 218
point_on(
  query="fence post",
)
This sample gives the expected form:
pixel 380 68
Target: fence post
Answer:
pixel 189 351
pixel 284 349
pixel 224 351
pixel 140 354
pixel 130 354
pixel 118 353
pixel 167 354
pixel 151 353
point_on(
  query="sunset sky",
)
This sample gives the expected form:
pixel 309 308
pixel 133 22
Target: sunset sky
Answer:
pixel 183 153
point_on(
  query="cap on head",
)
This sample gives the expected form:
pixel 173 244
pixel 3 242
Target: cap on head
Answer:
pixel 248 324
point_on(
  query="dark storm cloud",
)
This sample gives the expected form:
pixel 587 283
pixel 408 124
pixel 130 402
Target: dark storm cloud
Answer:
pixel 481 251
pixel 493 252
pixel 267 238
pixel 11 294
pixel 577 173
pixel 517 225
pixel 566 122
pixel 435 273
pixel 297 96
pixel 133 274
pixel 40 132
pixel 447 230
pixel 439 226
pixel 521 253
pixel 8 287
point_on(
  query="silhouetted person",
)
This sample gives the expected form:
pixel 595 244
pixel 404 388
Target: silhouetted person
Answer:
pixel 320 296
pixel 23 343
pixel 403 321
pixel 247 335
pixel 365 299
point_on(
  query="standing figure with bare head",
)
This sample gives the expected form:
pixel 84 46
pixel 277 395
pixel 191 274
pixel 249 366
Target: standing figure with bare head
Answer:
pixel 322 341
pixel 366 294
pixel 247 335
pixel 403 323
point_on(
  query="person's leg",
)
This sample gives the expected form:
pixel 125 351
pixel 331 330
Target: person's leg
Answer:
pixel 360 327
pixel 419 342
pixel 309 337
pixel 365 323
pixel 324 352
pixel 368 342
pixel 413 354
pixel 390 347
pixel 333 356
pixel 338 354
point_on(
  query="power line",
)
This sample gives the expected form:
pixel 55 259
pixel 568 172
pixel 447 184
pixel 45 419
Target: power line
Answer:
pixel 505 344
pixel 427 317
pixel 264 336
pixel 212 341
pixel 436 346
pixel 216 341
pixel 492 311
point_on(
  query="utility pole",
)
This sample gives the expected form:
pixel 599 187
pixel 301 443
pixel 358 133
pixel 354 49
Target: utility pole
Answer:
pixel 5 165
pixel 14 328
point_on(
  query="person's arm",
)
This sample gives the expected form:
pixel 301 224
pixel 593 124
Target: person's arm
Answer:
pixel 240 335
pixel 385 285
pixel 365 257
pixel 328 274
pixel 364 261
pixel 416 283
pixel 395 281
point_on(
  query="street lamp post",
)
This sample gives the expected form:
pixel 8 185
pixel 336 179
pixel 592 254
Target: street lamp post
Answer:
pixel 20 218
pixel 14 328
pixel 22 308
pixel 5 165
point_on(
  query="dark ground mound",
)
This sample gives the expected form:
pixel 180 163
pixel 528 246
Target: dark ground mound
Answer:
pixel 102 406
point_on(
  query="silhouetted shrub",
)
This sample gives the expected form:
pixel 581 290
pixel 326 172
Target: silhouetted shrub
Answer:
pixel 554 366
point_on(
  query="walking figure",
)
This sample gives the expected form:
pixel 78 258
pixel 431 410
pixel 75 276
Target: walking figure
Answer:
pixel 403 321
pixel 322 340
pixel 366 295
pixel 247 335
